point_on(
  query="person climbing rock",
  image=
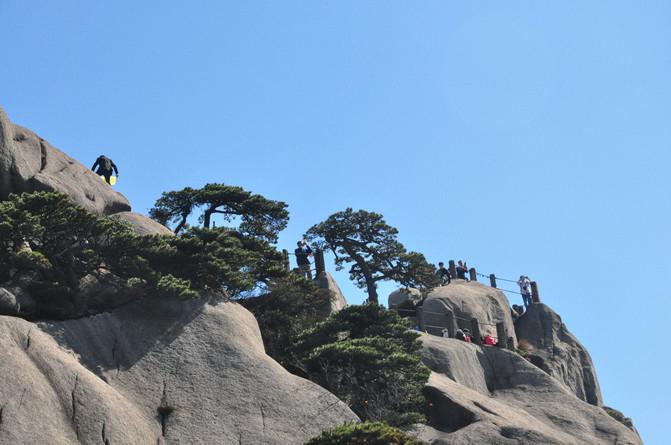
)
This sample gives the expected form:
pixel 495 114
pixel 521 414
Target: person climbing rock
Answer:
pixel 443 274
pixel 303 252
pixel 525 289
pixel 105 168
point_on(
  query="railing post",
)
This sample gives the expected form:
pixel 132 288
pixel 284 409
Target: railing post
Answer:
pixel 451 324
pixel 453 269
pixel 285 255
pixel 501 337
pixel 492 280
pixel 320 265
pixel 474 275
pixel 534 293
pixel 475 332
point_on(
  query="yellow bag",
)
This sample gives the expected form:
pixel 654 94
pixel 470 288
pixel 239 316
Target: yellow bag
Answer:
pixel 112 179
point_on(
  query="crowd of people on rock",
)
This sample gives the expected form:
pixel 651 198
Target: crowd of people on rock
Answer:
pixel 465 335
pixel 445 277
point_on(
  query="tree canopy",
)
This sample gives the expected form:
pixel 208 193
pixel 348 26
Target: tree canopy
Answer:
pixel 364 240
pixel 369 358
pixel 54 243
pixel 369 433
pixel 258 216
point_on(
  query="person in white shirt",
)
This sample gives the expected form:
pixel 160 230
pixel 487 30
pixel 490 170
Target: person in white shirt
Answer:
pixel 525 289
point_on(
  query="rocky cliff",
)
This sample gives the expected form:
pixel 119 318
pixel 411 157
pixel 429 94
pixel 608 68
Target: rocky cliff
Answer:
pixel 492 395
pixel 138 369
pixel 155 371
pixel 148 370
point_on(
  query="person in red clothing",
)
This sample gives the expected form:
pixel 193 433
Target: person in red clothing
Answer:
pixel 489 340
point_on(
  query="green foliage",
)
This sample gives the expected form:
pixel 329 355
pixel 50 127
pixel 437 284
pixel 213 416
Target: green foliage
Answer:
pixel 213 259
pixel 48 234
pixel 258 216
pixel 26 259
pixel 368 433
pixel 619 416
pixel 364 240
pixel 175 287
pixel 369 358
pixel 292 306
pixel 361 321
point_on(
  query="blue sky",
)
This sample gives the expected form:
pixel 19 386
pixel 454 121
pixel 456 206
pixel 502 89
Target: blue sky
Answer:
pixel 523 137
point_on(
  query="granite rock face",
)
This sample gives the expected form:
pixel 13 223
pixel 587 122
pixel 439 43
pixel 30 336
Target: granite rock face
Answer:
pixel 465 301
pixel 337 299
pixel 558 352
pixel 142 224
pixel 156 371
pixel 28 164
pixel 405 297
pixel 490 395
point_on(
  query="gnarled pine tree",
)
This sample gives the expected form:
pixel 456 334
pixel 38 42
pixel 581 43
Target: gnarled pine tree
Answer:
pixel 366 241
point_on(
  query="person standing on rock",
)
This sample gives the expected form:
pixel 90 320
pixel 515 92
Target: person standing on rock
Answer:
pixel 303 253
pixel 105 167
pixel 525 289
pixel 462 269
pixel 443 274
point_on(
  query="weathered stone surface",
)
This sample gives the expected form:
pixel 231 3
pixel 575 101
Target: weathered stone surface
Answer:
pixel 47 396
pixel 8 303
pixel 105 378
pixel 401 296
pixel 28 163
pixel 556 351
pixel 490 395
pixel 142 224
pixel 467 300
pixel 338 300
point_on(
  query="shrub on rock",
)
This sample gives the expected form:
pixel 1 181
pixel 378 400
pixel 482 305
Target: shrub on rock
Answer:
pixel 369 358
pixel 368 433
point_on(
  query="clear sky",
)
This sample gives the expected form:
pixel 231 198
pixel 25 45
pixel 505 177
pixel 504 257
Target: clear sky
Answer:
pixel 524 137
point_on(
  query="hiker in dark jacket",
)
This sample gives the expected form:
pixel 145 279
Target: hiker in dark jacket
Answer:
pixel 443 274
pixel 105 167
pixel 303 252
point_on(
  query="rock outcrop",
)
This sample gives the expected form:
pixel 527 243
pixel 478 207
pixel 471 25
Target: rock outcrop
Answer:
pixel 142 224
pixel 405 297
pixel 337 299
pixel 490 395
pixel 28 163
pixel 155 371
pixel 556 351
pixel 465 301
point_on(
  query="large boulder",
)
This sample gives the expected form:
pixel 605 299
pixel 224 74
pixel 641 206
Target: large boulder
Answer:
pixel 337 300
pixel 463 301
pixel 28 163
pixel 404 297
pixel 157 371
pixel 142 224
pixel 558 352
pixel 490 395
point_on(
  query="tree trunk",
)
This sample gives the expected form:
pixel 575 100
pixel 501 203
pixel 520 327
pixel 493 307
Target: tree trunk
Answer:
pixel 371 287
pixel 181 225
pixel 207 216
